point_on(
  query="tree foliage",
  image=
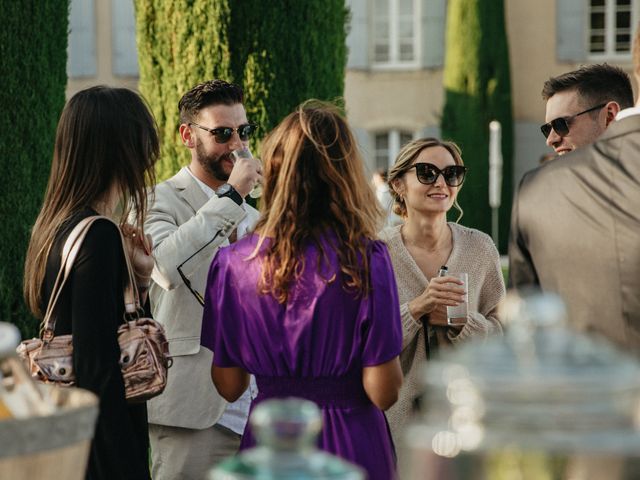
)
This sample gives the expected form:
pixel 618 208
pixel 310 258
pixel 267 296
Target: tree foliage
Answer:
pixel 33 49
pixel 477 90
pixel 281 53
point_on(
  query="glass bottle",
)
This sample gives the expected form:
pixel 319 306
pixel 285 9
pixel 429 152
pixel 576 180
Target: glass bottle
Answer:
pixel 286 431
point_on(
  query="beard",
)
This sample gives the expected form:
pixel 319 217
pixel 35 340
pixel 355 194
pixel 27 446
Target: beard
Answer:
pixel 212 163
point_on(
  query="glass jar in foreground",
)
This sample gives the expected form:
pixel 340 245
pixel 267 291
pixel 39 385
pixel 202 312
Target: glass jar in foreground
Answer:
pixel 542 402
pixel 286 432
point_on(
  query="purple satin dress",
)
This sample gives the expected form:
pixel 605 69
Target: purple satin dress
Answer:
pixel 313 347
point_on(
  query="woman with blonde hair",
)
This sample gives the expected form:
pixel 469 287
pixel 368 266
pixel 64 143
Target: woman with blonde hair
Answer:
pixel 105 150
pixel 425 181
pixel 308 303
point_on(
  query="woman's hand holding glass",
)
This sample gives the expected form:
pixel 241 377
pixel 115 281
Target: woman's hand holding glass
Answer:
pixel 441 292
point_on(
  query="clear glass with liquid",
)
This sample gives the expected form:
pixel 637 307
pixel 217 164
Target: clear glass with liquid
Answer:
pixel 244 152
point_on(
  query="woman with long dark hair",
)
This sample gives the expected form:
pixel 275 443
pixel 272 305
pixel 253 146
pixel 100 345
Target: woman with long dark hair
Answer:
pixel 308 304
pixel 105 150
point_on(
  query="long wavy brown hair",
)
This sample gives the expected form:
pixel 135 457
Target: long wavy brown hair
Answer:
pixel 314 185
pixel 106 137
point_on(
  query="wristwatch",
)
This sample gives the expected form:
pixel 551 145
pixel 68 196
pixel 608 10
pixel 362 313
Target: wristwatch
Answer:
pixel 226 190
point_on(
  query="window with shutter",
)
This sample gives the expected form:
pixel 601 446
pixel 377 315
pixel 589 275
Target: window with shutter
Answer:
pixel 395 35
pixel 81 61
pixel 387 145
pixel 611 24
pixel 382 151
pixel 123 38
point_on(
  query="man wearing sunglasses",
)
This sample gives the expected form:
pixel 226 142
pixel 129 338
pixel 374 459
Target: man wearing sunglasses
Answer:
pixel 575 230
pixel 582 104
pixel 202 207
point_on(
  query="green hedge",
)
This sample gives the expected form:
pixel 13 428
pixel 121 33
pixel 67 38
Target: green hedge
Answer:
pixel 280 52
pixel 477 90
pixel 33 53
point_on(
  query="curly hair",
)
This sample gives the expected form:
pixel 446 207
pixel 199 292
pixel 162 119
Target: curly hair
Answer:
pixel 314 184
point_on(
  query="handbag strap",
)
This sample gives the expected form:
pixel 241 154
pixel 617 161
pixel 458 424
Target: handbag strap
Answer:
pixel 69 253
pixel 131 297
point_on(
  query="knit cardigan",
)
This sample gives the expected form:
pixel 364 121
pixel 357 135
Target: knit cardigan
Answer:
pixel 473 252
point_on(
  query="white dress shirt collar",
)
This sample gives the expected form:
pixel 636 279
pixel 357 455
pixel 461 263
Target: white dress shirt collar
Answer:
pixel 627 112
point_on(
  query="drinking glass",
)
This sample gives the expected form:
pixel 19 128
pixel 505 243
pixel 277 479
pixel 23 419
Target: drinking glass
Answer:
pixel 244 152
pixel 457 316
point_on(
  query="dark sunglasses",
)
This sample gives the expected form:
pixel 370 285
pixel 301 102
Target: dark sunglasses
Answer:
pixel 561 124
pixel 224 134
pixel 428 173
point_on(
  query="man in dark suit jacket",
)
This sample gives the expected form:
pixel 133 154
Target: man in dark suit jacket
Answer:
pixel 575 230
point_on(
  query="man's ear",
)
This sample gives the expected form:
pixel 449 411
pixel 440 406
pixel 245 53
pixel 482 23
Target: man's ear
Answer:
pixel 186 135
pixel 612 110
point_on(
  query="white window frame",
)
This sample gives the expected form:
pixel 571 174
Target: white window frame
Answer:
pixel 609 32
pixel 394 145
pixel 394 62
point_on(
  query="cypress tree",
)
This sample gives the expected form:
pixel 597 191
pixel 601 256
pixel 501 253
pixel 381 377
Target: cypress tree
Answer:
pixel 33 48
pixel 180 43
pixel 477 90
pixel 286 52
pixel 281 53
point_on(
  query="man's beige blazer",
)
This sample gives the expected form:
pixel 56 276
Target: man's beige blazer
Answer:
pixel 181 220
pixel 575 230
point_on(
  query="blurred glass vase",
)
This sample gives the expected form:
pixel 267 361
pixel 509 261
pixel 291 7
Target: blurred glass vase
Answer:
pixel 286 431
pixel 542 402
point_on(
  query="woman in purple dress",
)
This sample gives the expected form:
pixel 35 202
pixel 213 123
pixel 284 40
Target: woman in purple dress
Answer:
pixel 308 303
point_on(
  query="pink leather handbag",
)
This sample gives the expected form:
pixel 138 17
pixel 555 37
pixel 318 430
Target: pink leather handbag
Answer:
pixel 144 352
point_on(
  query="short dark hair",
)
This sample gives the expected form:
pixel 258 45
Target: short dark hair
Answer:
pixel 213 92
pixel 595 84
